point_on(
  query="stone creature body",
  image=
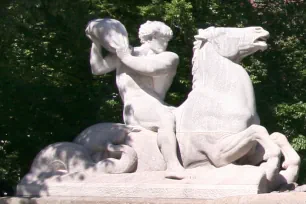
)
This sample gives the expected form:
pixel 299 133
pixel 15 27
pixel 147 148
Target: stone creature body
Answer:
pixel 87 153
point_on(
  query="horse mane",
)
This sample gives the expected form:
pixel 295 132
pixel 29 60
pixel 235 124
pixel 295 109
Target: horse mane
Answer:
pixel 198 44
pixel 200 41
pixel 196 49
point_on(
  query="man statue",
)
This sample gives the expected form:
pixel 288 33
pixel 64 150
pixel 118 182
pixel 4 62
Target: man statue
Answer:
pixel 143 76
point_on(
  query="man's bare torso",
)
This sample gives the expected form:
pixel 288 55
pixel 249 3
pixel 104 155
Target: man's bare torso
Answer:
pixel 133 84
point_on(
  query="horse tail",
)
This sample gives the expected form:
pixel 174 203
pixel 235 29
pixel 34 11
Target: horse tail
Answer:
pixel 126 164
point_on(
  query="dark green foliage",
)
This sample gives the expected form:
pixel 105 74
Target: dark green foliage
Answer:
pixel 48 93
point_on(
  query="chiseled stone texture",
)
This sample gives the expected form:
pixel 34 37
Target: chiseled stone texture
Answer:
pixel 215 183
pixel 279 198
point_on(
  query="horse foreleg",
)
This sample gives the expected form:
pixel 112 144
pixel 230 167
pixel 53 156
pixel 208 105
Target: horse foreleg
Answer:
pixel 253 157
pixel 290 165
pixel 231 148
pixel 292 159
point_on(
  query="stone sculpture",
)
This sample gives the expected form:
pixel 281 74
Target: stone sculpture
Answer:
pixel 217 128
pixel 219 116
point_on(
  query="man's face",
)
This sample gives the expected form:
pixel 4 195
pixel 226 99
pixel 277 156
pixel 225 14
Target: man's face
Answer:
pixel 159 44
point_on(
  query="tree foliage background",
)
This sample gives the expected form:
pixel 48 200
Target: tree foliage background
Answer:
pixel 48 94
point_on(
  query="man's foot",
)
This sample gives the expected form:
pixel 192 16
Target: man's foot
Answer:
pixel 175 173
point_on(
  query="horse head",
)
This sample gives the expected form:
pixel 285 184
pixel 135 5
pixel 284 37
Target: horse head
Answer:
pixel 234 43
pixel 215 47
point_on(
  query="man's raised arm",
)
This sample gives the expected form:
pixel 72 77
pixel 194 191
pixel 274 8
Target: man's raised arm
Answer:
pixel 150 65
pixel 100 65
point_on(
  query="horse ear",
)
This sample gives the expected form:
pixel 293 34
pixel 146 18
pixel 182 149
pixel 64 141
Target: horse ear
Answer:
pixel 200 35
pixel 204 34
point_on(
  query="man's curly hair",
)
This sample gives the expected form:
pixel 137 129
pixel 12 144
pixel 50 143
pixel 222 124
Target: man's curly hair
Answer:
pixel 153 28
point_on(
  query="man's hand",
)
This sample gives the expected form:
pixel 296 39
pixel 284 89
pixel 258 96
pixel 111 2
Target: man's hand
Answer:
pixel 123 52
pixel 94 40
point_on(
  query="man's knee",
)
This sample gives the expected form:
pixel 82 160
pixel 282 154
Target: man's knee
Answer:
pixel 167 122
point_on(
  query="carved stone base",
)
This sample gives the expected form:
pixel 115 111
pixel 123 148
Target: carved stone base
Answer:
pixel 280 198
pixel 201 183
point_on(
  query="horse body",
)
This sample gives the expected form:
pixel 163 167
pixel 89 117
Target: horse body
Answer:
pixel 219 104
pixel 218 124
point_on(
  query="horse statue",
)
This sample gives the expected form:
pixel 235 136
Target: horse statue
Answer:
pixel 216 126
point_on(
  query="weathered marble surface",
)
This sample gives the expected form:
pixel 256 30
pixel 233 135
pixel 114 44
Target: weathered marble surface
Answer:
pixel 202 183
pixel 213 143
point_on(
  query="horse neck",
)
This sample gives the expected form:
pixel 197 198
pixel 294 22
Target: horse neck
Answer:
pixel 211 69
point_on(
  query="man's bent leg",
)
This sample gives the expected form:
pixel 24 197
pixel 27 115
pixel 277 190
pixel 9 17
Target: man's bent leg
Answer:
pixel 167 144
pixel 150 115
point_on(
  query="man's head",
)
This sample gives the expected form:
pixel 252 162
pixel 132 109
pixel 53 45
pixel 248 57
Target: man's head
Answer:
pixel 156 34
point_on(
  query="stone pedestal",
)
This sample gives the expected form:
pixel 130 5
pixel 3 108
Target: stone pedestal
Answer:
pixel 202 183
pixel 279 198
